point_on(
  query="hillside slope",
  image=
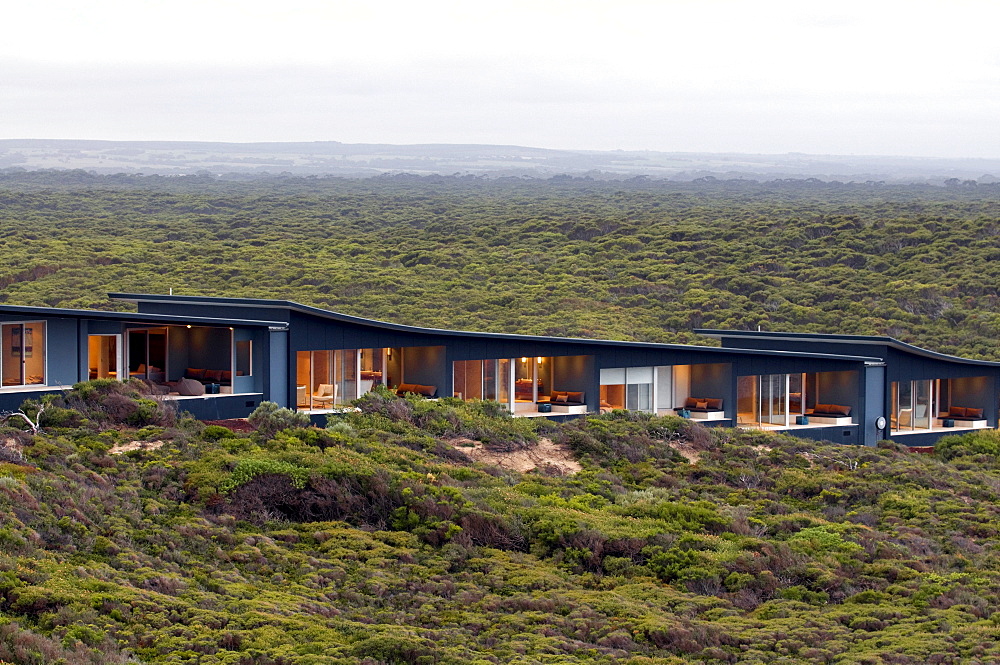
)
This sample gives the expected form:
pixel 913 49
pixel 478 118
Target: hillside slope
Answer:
pixel 634 260
pixel 378 541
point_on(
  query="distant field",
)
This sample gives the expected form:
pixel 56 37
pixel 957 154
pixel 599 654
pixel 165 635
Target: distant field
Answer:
pixel 372 159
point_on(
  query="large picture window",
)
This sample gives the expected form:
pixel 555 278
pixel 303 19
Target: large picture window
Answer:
pixel 483 379
pixel 329 378
pixel 22 354
pixel 771 399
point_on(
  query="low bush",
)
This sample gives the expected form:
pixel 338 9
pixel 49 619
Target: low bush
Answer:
pixel 107 403
pixel 269 419
pixel 979 442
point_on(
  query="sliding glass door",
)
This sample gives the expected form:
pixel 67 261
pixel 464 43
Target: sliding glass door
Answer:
pixel 915 404
pixel 780 398
pixel 147 354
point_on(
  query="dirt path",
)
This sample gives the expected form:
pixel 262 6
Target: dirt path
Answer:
pixel 122 448
pixel 686 451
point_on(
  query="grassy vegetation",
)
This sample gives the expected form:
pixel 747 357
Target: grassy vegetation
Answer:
pixel 375 540
pixel 638 260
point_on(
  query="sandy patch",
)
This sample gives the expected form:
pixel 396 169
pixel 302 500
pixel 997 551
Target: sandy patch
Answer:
pixel 122 448
pixel 686 451
pixel 543 455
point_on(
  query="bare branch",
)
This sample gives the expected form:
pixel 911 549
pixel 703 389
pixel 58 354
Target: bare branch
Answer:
pixel 35 424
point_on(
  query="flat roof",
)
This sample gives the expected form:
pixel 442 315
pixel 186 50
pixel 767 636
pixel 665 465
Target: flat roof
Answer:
pixel 374 323
pixel 136 317
pixel 874 340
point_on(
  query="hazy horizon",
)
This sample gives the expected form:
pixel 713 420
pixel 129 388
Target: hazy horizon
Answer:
pixel 716 76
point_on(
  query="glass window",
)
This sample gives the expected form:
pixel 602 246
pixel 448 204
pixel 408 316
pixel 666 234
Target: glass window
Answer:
pixel 147 354
pixel 639 396
pixel 34 354
pixel 468 379
pixel 22 354
pixel 481 379
pixel 772 399
pixel 102 353
pixel 747 406
pixel 915 404
pixel 639 388
pixel 525 386
pixel 303 379
pixel 923 393
pixel 773 394
pixel 346 375
pixel 904 405
pixel 490 379
pixel 503 381
pixel 13 366
pixel 796 403
pixel 627 387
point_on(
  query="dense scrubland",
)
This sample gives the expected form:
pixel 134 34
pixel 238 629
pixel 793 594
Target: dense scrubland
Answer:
pixel 638 259
pixel 129 533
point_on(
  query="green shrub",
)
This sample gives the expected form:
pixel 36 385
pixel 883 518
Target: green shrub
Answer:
pixel 340 427
pixel 217 432
pixel 269 419
pixel 248 469
pixel 105 403
pixel 979 442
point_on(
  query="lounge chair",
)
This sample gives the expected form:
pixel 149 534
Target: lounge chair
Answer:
pixel 325 395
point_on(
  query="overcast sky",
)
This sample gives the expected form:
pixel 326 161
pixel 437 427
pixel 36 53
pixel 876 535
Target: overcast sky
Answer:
pixel 844 77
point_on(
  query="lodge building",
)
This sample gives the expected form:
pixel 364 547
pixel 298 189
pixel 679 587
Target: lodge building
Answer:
pixel 221 357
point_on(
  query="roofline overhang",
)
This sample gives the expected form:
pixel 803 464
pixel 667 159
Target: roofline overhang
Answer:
pixel 873 340
pixel 357 320
pixel 136 317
